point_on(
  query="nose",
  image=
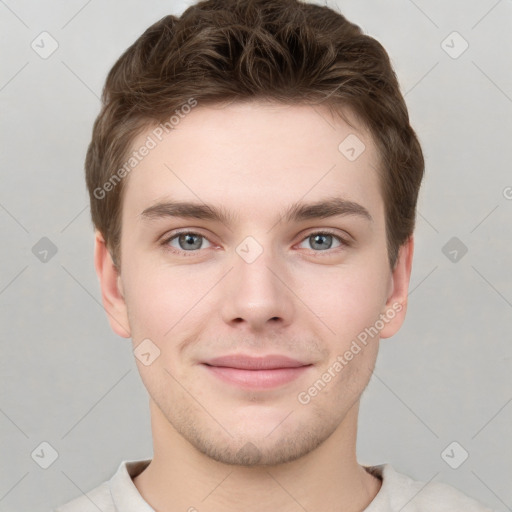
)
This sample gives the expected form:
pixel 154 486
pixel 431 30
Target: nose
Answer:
pixel 257 292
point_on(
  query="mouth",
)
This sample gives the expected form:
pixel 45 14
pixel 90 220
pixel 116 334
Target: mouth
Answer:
pixel 256 372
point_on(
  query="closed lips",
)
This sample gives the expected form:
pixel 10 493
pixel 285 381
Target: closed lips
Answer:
pixel 244 362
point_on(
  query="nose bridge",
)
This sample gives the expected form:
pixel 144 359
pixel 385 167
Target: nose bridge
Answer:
pixel 255 293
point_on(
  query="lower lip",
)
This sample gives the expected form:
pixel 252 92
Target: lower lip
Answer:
pixel 259 379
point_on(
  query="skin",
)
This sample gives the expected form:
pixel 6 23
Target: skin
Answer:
pixel 218 446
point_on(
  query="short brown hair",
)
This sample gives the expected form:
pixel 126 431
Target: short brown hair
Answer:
pixel 241 50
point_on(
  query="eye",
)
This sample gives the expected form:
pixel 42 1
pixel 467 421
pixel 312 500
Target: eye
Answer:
pixel 323 241
pixel 187 241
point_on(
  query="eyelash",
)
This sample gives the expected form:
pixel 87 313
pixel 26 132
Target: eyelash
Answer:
pixel 343 241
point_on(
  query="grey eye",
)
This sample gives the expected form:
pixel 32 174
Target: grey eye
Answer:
pixel 322 241
pixel 188 241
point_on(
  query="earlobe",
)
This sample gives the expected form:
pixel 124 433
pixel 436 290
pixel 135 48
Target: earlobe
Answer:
pixel 111 288
pixel 396 304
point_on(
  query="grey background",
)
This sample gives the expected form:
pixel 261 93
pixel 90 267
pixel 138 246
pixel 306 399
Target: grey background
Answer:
pixel 67 379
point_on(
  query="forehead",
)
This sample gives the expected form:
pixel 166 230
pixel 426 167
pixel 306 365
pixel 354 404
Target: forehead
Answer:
pixel 255 155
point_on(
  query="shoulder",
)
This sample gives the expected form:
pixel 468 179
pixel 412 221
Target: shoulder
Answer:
pixel 118 493
pixel 97 499
pixel 400 492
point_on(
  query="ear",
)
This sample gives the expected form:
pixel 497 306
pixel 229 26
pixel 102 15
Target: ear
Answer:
pixel 111 288
pixel 396 304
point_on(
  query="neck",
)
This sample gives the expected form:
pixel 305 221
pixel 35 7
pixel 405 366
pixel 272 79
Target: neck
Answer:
pixel 180 477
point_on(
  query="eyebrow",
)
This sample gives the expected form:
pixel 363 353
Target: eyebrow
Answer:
pixel 297 212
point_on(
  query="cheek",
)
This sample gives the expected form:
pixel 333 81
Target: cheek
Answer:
pixel 162 300
pixel 346 299
pixel 147 301
pixel 350 307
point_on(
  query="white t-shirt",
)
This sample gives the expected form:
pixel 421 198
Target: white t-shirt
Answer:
pixel 397 493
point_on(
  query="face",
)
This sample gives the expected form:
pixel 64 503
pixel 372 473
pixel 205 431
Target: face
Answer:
pixel 249 231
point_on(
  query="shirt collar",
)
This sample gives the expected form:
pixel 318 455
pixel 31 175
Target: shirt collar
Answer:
pixel 126 496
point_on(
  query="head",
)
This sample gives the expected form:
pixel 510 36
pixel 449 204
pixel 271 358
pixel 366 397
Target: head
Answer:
pixel 250 109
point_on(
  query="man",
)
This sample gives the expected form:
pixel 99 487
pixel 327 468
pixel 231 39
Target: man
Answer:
pixel 253 180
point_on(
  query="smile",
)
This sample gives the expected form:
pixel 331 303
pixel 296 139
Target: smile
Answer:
pixel 257 378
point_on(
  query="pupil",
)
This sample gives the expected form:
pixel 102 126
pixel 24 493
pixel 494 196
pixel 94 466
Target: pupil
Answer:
pixel 190 240
pixel 320 240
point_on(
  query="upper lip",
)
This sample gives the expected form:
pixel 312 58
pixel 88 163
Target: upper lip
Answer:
pixel 247 362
